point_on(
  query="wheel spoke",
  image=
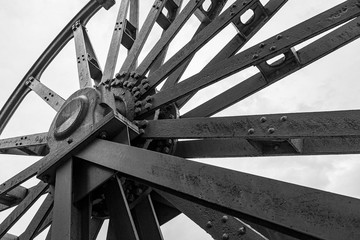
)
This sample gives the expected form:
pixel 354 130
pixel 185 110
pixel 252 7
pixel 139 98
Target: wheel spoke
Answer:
pixel 237 42
pixel 267 202
pixel 257 55
pixel 266 127
pixel 146 220
pixel 34 194
pixel 218 148
pixel 35 144
pixel 168 35
pixel 50 97
pixel 40 216
pixel 46 58
pixel 144 32
pixel 121 224
pixel 236 10
pixel 88 66
pixel 306 55
pixel 206 19
pixel 117 38
pixel 217 224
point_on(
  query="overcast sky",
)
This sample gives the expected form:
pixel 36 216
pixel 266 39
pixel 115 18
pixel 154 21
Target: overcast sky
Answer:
pixel 27 28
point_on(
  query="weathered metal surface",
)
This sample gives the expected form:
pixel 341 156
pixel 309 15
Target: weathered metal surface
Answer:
pixel 265 127
pixel 15 215
pixel 239 40
pixel 44 60
pixel 242 148
pixel 121 224
pixel 217 224
pixel 34 226
pixel 35 144
pixel 306 55
pixel 146 221
pixel 255 55
pixel 48 95
pixel 295 210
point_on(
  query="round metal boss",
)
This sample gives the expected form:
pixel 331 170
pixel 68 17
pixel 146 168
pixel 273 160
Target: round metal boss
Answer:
pixel 70 117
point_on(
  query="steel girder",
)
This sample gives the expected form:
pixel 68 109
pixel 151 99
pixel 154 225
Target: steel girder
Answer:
pixel 117 150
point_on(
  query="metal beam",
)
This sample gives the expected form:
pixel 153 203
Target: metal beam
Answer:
pixel 49 96
pixel 306 55
pixel 34 226
pixel 217 224
pixel 264 127
pixel 142 36
pixel 311 213
pixel 87 63
pixel 21 209
pixel 235 10
pixel 219 148
pixel 257 55
pixel 121 224
pixel 146 221
pixel 35 144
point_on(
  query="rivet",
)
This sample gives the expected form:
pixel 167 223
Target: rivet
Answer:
pixel 242 230
pixel 138 103
pixel 137 94
pixel 148 106
pixel 148 98
pixel 225 236
pixel 271 130
pixel 103 135
pixel 70 140
pixel 209 224
pixel 283 118
pixel 137 110
pixel 146 86
pixel 251 131
pixel 263 119
pixel 232 14
pixel 262 45
pixel 278 37
pixel 272 48
pixel 224 219
pixel 255 56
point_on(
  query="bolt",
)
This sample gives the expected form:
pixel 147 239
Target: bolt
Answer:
pixel 225 236
pixel 255 56
pixel 27 83
pixel 251 131
pixel 135 89
pixel 118 76
pixel 137 94
pixel 144 81
pixel 149 99
pixel 271 130
pixel 209 224
pixel 242 230
pixel 46 178
pixel 138 103
pixel 103 135
pixel 146 86
pixel 166 150
pixel 283 118
pixel 263 119
pixel 224 219
pixel 272 48
pixel 262 45
pixel 278 37
pixel 148 106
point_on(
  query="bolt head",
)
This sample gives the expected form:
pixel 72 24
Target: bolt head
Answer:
pixel 225 236
pixel 271 130
pixel 148 106
pixel 263 119
pixel 146 86
pixel 224 219
pixel 251 131
pixel 272 48
pixel 283 118
pixel 242 230
pixel 278 37
pixel 209 224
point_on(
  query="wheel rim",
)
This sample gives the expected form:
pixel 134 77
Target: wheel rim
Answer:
pixel 262 133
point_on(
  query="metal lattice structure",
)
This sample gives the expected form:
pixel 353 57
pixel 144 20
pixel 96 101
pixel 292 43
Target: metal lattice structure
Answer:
pixel 117 147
